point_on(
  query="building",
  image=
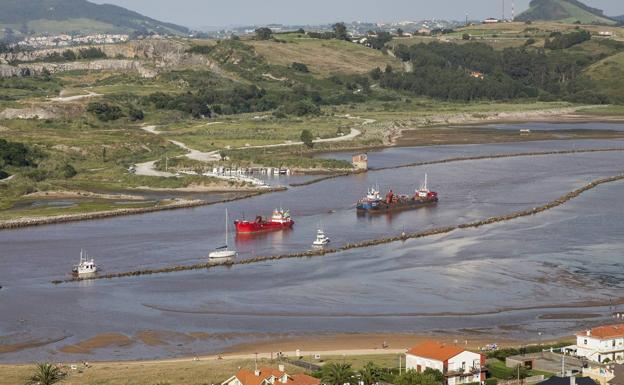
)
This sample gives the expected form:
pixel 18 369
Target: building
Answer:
pixel 269 376
pixel 491 20
pixel 459 366
pixel 360 161
pixel 601 344
pixel 568 381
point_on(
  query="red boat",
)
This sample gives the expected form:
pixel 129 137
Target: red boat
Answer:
pixel 280 220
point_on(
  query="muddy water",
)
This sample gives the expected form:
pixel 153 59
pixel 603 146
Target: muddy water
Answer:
pixel 495 278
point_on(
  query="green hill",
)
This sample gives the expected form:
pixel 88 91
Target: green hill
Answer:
pixel 79 16
pixel 567 11
pixel 608 75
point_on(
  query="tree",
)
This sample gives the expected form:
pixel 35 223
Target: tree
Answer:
pixel 370 374
pixel 412 377
pixel 135 114
pixel 104 111
pixel 340 31
pixel 400 32
pixel 337 373
pixel 307 138
pixel 264 33
pixel 45 374
pixel 466 36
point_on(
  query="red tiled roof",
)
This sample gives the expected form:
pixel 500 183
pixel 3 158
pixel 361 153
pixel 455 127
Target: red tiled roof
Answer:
pixel 608 331
pixel 435 350
pixel 304 379
pixel 248 377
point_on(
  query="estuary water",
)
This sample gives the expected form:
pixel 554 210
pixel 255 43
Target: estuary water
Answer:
pixel 504 279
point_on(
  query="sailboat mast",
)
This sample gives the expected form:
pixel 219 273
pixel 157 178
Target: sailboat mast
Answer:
pixel 226 227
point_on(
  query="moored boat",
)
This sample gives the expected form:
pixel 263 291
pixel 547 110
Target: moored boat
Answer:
pixel 321 239
pixel 86 266
pixel 374 203
pixel 223 253
pixel 280 220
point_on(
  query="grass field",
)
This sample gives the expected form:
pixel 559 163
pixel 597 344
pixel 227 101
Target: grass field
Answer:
pixel 323 57
pixel 183 372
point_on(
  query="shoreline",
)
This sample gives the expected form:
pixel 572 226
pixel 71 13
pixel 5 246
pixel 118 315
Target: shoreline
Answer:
pixel 24 222
pixel 325 344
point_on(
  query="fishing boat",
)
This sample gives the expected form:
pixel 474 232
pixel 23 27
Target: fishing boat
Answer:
pixel 280 220
pixel 374 203
pixel 321 239
pixel 223 252
pixel 86 266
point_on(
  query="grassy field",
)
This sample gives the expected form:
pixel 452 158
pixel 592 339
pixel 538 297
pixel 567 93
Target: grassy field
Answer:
pixel 323 57
pixel 183 372
pixel 609 74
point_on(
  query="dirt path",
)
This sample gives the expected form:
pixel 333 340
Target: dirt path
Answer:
pixel 149 169
pixel 64 99
pixel 352 135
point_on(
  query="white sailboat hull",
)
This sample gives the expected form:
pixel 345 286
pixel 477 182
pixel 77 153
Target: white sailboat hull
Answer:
pixel 223 254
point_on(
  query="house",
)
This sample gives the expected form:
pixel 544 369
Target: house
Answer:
pixel 477 75
pixel 459 366
pixel 568 381
pixel 601 344
pixel 605 33
pixel 490 20
pixel 269 376
pixel 360 161
pixel 424 31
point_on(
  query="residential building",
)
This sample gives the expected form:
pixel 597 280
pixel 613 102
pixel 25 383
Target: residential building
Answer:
pixel 568 381
pixel 459 366
pixel 360 161
pixel 491 20
pixel 270 376
pixel 600 344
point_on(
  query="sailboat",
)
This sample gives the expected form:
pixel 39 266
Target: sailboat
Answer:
pixel 223 252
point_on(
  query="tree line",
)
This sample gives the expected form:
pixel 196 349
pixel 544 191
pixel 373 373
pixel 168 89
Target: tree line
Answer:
pixel 475 71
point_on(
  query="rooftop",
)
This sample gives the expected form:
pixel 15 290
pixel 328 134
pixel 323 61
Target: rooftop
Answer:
pixel 435 350
pixel 607 331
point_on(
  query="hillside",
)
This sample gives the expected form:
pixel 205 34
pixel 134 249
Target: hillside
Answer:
pixel 608 74
pixel 567 11
pixel 81 16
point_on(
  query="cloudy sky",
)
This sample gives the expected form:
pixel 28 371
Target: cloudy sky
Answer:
pixel 199 13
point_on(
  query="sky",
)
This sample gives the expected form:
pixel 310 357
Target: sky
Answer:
pixel 202 13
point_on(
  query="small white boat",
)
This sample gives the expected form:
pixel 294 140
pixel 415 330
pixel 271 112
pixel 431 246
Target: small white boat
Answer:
pixel 223 252
pixel 321 238
pixel 86 266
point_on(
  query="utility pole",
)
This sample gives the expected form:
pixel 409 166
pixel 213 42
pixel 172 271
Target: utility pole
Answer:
pixel 399 364
pixel 503 19
pixel 513 10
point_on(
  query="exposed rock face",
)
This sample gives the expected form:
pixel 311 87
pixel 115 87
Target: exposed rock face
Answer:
pixel 95 65
pixel 43 111
pixel 136 49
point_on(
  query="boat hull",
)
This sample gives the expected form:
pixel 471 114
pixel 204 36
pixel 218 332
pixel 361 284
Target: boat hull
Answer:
pixel 244 227
pixel 380 207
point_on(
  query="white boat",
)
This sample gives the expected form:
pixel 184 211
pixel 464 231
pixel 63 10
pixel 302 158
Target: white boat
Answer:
pixel 86 266
pixel 223 253
pixel 321 238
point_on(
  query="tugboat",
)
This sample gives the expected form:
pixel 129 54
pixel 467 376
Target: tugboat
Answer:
pixel 223 252
pixel 321 239
pixel 280 220
pixel 85 266
pixel 373 203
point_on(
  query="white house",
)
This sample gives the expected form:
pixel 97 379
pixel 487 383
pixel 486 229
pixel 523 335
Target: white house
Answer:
pixel 601 343
pixel 459 366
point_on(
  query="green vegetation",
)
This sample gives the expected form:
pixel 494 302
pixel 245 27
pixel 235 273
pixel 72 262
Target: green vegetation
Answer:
pixel 46 374
pixel 567 11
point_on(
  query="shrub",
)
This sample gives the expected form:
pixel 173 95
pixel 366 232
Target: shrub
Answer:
pixel 300 67
pixel 104 111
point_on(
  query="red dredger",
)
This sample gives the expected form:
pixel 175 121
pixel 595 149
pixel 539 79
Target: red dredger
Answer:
pixel 279 220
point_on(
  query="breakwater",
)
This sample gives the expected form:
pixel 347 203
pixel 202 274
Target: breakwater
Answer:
pixel 459 159
pixel 178 204
pixel 367 243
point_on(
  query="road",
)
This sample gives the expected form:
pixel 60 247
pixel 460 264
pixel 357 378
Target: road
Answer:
pixel 148 168
pixel 76 97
